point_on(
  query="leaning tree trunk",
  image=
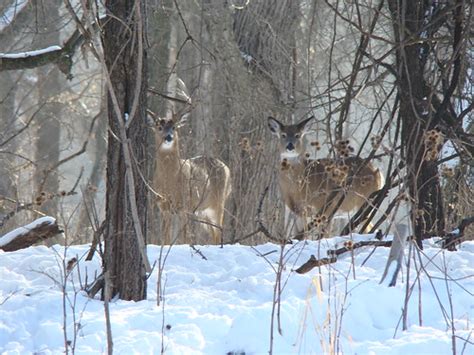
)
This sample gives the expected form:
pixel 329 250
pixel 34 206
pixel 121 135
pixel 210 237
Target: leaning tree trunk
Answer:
pixel 408 18
pixel 124 56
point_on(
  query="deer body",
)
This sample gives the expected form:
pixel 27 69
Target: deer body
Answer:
pixel 198 186
pixel 316 186
pixel 307 183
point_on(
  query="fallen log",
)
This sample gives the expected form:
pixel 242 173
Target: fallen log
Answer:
pixel 39 230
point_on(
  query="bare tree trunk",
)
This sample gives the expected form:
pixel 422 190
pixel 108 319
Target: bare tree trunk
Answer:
pixel 84 228
pixel 7 123
pixel 51 83
pixel 123 259
pixel 415 93
pixel 7 98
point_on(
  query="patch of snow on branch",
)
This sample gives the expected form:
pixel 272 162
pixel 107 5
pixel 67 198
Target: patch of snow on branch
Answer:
pixel 7 238
pixel 30 53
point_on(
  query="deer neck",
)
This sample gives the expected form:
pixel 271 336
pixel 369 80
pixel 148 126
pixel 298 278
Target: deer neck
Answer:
pixel 168 165
pixel 292 172
pixel 293 159
pixel 168 154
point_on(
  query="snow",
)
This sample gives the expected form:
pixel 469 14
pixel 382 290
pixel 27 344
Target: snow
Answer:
pixel 30 53
pixel 7 238
pixel 7 17
pixel 223 304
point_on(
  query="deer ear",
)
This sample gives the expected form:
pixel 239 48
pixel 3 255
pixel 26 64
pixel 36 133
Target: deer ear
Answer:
pixel 150 121
pixel 274 125
pixel 182 120
pixel 305 124
pixel 150 118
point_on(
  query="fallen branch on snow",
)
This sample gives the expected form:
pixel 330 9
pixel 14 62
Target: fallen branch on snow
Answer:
pixel 334 253
pixel 41 229
pixel 450 240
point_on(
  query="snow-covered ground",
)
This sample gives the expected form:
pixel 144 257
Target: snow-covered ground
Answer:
pixel 224 304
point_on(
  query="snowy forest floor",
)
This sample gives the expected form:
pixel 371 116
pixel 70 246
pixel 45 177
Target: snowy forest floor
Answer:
pixel 223 303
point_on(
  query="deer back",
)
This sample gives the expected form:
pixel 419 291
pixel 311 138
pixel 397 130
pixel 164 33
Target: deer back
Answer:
pixel 212 179
pixel 319 184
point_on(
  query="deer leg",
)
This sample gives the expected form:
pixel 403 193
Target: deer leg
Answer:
pixel 217 232
pixel 369 227
pixel 289 223
pixel 301 227
pixel 214 221
pixel 183 222
pixel 176 227
pixel 219 239
pixel 165 228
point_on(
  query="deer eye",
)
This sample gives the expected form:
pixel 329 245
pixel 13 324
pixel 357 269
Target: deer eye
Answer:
pixel 297 135
pixel 283 135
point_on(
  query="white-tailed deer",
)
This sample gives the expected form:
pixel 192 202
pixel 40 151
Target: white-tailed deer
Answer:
pixel 198 186
pixel 313 187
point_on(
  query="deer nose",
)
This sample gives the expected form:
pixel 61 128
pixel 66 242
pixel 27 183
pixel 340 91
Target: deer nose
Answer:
pixel 290 147
pixel 168 138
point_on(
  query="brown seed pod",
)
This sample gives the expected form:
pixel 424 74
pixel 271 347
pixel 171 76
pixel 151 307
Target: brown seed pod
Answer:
pixel 71 263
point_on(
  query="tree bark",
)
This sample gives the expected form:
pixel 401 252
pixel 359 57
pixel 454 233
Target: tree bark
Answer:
pixel 123 260
pixel 7 179
pixel 422 174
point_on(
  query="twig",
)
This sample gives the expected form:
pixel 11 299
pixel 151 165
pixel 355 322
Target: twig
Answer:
pixel 261 226
pixel 334 253
pixel 95 240
pixel 20 206
pixel 81 151
pixel 197 251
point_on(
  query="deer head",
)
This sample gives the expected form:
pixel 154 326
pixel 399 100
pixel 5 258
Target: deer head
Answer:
pixel 166 136
pixel 291 143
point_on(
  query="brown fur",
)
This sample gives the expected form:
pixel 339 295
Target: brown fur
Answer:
pixel 315 186
pixel 306 183
pixel 198 186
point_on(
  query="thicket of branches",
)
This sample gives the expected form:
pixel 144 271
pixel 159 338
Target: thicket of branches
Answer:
pixel 394 77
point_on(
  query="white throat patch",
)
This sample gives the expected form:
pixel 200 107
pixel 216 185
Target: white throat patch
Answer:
pixel 289 155
pixel 165 145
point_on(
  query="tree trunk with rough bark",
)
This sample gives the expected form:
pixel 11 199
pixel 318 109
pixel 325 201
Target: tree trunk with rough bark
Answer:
pixel 123 260
pixel 422 173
